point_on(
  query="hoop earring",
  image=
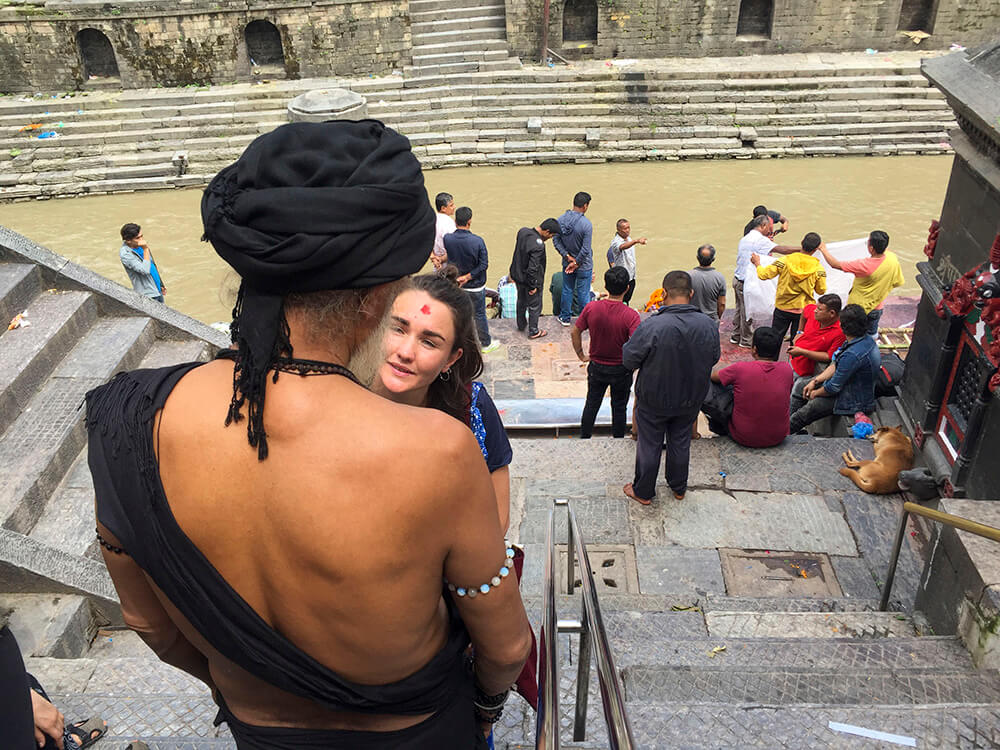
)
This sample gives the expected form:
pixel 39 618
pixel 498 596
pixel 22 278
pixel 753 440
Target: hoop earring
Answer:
pixel 445 375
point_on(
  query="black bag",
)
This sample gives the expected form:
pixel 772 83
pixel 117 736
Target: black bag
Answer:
pixel 890 375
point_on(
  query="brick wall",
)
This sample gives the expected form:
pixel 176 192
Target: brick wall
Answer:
pixel 660 28
pixel 157 44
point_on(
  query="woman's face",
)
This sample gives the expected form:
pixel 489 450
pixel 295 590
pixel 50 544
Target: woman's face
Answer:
pixel 419 343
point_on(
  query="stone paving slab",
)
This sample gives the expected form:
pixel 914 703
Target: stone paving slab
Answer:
pixel 715 603
pixel 667 570
pixel 808 625
pixel 711 518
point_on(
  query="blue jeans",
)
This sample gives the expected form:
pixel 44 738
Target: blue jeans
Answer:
pixel 479 312
pixel 577 283
pixel 873 318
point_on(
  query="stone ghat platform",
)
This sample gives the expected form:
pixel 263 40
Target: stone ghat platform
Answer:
pixel 669 109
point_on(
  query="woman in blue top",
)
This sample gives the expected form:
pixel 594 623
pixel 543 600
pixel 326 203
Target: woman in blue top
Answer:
pixel 432 359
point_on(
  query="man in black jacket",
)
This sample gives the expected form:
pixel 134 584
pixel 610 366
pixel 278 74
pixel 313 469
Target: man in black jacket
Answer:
pixel 527 269
pixel 674 351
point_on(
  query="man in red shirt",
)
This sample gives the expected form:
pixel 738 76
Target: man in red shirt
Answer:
pixel 812 349
pixel 611 323
pixel 761 392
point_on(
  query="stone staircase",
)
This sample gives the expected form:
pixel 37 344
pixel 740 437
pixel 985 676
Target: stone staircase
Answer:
pixel 655 110
pixel 81 329
pixel 464 39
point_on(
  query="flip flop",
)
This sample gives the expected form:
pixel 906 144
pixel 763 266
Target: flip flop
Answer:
pixel 538 335
pixel 137 745
pixel 629 492
pixel 82 733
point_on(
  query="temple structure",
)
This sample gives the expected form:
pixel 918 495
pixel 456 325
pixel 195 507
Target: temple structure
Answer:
pixel 952 385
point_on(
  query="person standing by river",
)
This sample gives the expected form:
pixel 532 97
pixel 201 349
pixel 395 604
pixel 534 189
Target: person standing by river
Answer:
pixel 527 269
pixel 573 243
pixel 622 254
pixel 138 260
pixel 467 251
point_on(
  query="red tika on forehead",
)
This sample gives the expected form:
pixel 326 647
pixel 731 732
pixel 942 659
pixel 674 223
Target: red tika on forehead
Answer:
pixel 426 310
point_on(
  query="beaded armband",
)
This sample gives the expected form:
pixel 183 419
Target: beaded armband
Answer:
pixel 485 588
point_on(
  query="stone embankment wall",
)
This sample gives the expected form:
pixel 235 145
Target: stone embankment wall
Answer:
pixel 654 28
pixel 166 44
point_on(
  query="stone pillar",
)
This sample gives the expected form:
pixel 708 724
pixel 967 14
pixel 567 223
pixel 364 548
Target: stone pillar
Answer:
pixel 327 104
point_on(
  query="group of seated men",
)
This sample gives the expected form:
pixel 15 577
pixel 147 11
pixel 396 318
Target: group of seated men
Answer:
pixel 833 369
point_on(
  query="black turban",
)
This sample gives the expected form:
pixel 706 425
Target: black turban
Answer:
pixel 311 207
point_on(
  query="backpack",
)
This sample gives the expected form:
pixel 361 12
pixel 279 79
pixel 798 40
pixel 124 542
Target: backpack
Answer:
pixel 890 375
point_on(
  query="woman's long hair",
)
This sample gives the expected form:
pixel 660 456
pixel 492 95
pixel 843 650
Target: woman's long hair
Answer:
pixel 454 394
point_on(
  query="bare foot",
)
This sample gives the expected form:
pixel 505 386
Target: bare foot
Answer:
pixel 631 493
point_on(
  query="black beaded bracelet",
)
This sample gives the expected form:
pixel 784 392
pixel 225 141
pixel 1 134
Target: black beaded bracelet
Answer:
pixel 490 718
pixel 490 702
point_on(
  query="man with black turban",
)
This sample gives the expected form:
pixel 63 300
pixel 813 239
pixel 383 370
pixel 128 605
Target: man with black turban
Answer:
pixel 296 567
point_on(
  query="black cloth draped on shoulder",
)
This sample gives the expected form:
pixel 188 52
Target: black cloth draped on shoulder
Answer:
pixel 132 505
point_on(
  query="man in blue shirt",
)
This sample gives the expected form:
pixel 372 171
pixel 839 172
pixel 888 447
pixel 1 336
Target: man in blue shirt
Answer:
pixel 467 251
pixel 138 260
pixel 573 244
pixel 847 386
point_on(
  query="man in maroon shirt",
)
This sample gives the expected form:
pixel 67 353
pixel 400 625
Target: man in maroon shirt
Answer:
pixel 761 394
pixel 812 349
pixel 611 323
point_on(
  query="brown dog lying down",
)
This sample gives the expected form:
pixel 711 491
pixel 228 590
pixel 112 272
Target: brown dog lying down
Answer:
pixel 893 454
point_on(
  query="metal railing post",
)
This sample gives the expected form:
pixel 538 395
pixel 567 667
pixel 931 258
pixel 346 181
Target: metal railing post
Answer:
pixel 582 680
pixel 570 549
pixel 891 574
pixel 547 716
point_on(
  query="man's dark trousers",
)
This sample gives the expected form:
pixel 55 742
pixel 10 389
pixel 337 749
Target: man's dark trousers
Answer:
pixel 653 431
pixel 479 312
pixel 782 321
pixel 530 304
pixel 599 379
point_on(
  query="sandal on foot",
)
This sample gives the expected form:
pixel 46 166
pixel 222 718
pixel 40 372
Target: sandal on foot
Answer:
pixel 86 733
pixel 629 492
pixel 137 745
pixel 538 335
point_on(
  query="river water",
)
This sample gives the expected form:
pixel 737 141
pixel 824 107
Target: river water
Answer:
pixel 676 205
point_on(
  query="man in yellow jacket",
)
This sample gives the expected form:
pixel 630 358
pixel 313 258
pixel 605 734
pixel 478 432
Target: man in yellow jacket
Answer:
pixel 874 277
pixel 801 278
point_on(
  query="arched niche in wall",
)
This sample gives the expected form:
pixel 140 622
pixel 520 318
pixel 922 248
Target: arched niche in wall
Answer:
pixel 264 44
pixel 97 54
pixel 917 15
pixel 755 18
pixel 580 21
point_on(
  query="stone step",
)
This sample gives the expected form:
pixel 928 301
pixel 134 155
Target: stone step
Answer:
pixel 710 726
pixel 135 139
pixel 778 686
pixel 719 603
pixel 441 59
pixel 459 36
pixel 38 448
pixel 19 282
pixel 433 15
pixel 459 43
pixel 808 625
pixel 424 6
pixel 50 625
pixel 29 354
pixel 67 522
pixel 488 18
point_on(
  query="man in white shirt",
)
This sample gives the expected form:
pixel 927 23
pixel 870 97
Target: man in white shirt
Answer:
pixel 757 240
pixel 445 205
pixel 621 254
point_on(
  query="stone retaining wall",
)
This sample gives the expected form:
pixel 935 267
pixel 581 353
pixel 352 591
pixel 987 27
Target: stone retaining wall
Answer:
pixel 654 28
pixel 156 44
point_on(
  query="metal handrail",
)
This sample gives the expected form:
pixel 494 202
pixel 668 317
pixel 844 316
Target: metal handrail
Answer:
pixel 592 633
pixel 973 527
pixel 547 716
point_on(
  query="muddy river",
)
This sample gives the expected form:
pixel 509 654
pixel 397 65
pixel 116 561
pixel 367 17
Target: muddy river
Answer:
pixel 676 205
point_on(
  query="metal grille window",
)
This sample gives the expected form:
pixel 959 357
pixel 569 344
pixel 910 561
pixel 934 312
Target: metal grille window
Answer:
pixel 966 387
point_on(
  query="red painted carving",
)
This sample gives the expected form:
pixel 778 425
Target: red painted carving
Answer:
pixel 932 238
pixel 919 436
pixel 959 297
pixel 995 252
